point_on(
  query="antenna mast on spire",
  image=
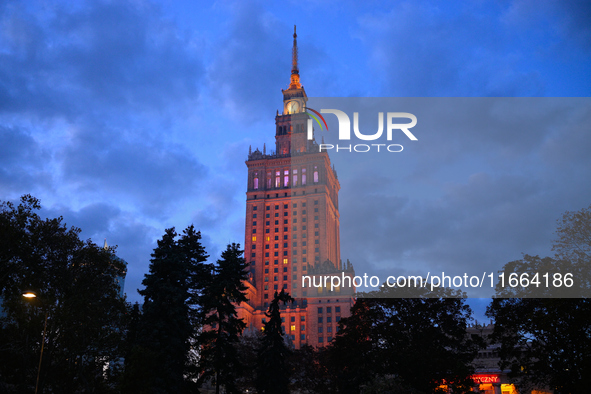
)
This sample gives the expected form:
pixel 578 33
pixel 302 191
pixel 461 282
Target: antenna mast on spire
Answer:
pixel 295 73
pixel 294 53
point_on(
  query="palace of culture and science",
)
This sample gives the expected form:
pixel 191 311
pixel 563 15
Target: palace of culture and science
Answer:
pixel 292 227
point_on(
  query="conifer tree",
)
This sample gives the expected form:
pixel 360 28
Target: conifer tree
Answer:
pixel 226 290
pixel 159 359
pixel 273 369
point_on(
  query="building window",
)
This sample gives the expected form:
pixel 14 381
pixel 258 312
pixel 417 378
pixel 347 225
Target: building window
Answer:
pixel 254 223
pixel 275 270
pixel 328 309
pixel 268 208
pixel 320 330
pixel 253 255
pixel 254 208
pixel 285 278
pixel 303 336
pixel 284 261
pixel 315 174
pixel 329 319
pixel 266 296
pixel 337 309
pixel 338 319
pixel 329 339
pixel 295 178
pixel 320 339
pixel 266 270
pixel 303 176
pixel 293 327
pixel 319 311
pixel 266 278
pixel 277 179
pixel 256 183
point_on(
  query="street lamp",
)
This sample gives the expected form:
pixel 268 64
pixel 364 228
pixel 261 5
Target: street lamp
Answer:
pixel 30 295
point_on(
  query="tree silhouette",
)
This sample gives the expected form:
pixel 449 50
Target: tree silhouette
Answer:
pixel 272 366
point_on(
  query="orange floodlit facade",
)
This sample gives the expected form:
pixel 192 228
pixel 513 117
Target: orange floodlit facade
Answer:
pixel 292 227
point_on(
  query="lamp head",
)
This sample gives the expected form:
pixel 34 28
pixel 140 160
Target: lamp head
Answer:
pixel 29 294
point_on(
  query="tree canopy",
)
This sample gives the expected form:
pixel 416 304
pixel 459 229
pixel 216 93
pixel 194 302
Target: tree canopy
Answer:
pixel 546 342
pixel 77 289
pixel 420 341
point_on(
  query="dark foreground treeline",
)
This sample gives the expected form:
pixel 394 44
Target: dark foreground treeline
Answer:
pixel 186 338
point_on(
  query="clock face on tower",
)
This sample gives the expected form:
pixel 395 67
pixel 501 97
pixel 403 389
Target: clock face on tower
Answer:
pixel 293 107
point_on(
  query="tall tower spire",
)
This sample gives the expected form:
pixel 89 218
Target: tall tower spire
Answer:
pixel 295 73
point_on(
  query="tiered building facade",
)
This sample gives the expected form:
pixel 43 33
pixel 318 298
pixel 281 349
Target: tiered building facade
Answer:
pixel 292 227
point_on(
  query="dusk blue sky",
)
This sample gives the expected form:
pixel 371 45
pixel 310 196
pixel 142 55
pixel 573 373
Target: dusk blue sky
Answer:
pixel 128 117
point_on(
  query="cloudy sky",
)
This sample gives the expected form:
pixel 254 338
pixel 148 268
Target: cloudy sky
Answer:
pixel 128 117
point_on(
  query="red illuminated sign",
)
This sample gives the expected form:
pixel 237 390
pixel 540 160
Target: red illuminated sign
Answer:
pixel 486 378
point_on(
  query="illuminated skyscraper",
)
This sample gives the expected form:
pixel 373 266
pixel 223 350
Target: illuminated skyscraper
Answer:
pixel 292 226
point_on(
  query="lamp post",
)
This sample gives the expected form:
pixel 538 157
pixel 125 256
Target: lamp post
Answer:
pixel 29 295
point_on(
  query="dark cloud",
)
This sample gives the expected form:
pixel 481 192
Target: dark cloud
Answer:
pixel 150 173
pixel 251 63
pixel 82 60
pixel 22 160
pixel 482 49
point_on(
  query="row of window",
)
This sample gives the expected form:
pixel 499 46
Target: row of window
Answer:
pixel 337 309
pixel 276 181
pixel 285 229
pixel 285 213
pixel 328 319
